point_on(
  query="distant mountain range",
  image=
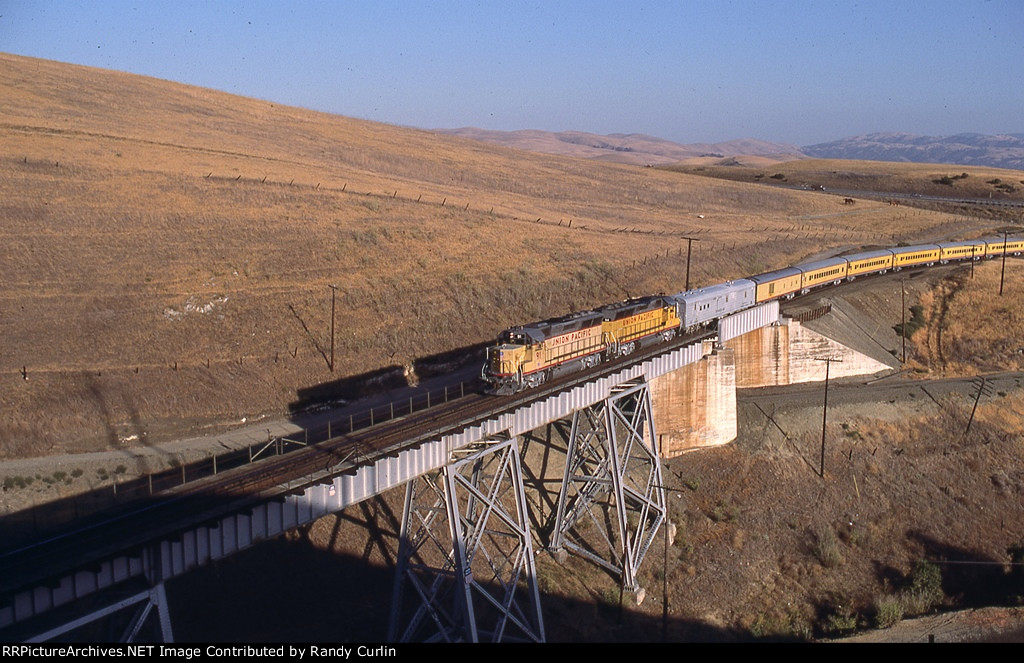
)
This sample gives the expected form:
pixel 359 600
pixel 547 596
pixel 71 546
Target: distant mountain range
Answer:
pixel 637 149
pixel 1000 151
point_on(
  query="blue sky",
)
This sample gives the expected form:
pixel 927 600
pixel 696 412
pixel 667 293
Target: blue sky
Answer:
pixel 800 72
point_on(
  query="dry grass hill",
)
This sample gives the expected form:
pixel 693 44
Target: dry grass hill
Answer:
pixel 925 179
pixel 166 251
pixel 634 149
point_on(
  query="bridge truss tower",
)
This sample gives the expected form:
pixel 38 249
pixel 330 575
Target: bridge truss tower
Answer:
pixel 612 498
pixel 466 554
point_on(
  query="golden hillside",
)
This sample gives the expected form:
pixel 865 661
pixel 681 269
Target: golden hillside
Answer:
pixel 166 251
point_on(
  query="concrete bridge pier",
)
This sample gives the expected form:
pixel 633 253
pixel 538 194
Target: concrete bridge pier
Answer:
pixel 465 556
pixel 695 405
pixel 790 353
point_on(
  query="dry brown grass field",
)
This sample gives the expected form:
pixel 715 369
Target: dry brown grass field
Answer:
pixel 958 339
pixel 911 178
pixel 166 251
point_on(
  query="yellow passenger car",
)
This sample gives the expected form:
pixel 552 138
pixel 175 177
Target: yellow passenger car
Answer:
pixel 780 283
pixel 994 246
pixel 875 262
pixel 821 272
pixel 912 256
pixel 949 251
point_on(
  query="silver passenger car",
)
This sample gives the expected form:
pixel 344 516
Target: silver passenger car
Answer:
pixel 697 307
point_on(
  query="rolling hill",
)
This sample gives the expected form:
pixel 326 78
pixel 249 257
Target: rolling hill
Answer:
pixel 635 149
pixel 1002 151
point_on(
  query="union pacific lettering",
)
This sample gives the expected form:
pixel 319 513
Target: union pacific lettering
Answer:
pixel 573 337
pixel 644 317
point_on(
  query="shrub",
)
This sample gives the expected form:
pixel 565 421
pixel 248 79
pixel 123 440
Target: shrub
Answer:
pixel 826 547
pixel 916 322
pixel 926 586
pixel 610 597
pixel 1016 584
pixel 841 622
pixel 888 611
pixel 725 512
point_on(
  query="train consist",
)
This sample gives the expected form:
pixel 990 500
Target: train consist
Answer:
pixel 529 355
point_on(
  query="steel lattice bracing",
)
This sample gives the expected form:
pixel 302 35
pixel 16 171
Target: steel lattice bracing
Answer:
pixel 119 614
pixel 612 499
pixel 465 558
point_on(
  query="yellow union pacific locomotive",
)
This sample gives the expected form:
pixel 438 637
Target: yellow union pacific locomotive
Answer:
pixel 529 355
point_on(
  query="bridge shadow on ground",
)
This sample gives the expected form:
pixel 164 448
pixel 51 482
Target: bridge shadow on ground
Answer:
pixel 973 580
pixel 333 582
pixel 947 577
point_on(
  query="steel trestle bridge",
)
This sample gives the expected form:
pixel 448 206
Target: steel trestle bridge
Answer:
pixel 465 569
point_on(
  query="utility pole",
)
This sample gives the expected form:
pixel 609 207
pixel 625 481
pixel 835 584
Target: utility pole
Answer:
pixel 689 244
pixel 984 389
pixel 1002 272
pixel 824 411
pixel 903 316
pixel 334 289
